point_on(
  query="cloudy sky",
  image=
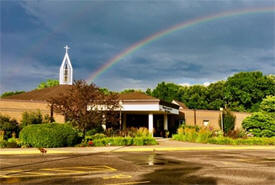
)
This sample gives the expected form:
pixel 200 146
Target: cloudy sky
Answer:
pixel 34 33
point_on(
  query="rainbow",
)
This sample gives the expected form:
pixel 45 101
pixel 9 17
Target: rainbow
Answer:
pixel 173 29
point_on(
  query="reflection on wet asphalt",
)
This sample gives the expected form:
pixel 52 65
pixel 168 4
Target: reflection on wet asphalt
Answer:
pixel 186 167
pixel 169 171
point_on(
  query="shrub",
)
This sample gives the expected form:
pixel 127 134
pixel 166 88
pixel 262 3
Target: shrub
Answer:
pixel 142 131
pixel 124 141
pixel 240 141
pixel 94 131
pixel 268 104
pixel 149 141
pixel 237 134
pixel 48 135
pixel 13 143
pixel 3 143
pixel 98 136
pixel 29 118
pixel 180 130
pixel 260 124
pixel 138 141
pixel 203 135
pixel 221 140
pixel 193 134
pixel 8 126
pixel 228 121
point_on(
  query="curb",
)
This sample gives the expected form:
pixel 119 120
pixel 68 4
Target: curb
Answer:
pixel 131 149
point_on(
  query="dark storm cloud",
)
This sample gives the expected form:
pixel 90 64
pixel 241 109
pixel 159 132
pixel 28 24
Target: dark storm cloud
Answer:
pixel 33 34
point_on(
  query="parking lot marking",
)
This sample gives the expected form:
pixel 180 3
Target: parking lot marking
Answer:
pixel 126 183
pixel 119 176
pixel 66 171
pixel 74 170
pixel 98 168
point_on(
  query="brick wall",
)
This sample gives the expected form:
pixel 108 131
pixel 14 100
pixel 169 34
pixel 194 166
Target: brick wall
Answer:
pixel 197 117
pixel 15 108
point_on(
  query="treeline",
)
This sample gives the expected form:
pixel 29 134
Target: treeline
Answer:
pixel 243 91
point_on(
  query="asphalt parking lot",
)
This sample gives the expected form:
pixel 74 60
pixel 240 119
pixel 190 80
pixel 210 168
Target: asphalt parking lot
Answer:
pixel 174 167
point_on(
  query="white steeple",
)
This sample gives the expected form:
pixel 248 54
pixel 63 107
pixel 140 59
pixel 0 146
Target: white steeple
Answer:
pixel 66 70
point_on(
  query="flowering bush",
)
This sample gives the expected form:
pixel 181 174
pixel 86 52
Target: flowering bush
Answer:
pixel 90 143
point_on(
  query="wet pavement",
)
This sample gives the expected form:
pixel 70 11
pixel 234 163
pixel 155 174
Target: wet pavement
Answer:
pixel 177 167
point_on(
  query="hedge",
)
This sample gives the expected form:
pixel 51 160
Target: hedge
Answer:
pixel 124 141
pixel 48 135
pixel 260 124
pixel 230 141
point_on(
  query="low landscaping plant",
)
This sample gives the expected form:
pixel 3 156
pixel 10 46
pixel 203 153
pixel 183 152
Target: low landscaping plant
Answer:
pixel 48 135
pixel 206 135
pixel 124 141
pixel 94 131
pixel 3 143
pixel 8 126
pixel 241 141
pixel 13 143
pixel 94 137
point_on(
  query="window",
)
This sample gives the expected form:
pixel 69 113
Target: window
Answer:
pixel 66 73
pixel 206 122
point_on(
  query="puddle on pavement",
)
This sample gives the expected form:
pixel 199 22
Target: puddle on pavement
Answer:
pixel 169 171
pixel 150 160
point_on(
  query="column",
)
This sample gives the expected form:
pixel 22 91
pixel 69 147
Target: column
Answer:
pixel 103 122
pixel 165 123
pixel 150 124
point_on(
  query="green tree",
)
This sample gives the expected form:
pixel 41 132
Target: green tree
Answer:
pixel 86 106
pixel 148 91
pixel 104 90
pixel 271 76
pixel 262 124
pixel 130 90
pixel 194 97
pixel 244 91
pixel 11 93
pixel 48 83
pixel 215 95
pixel 228 121
pixel 166 91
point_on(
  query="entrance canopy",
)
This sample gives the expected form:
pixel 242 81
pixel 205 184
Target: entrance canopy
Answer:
pixel 140 102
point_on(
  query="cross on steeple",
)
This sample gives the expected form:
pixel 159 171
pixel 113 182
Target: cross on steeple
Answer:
pixel 67 48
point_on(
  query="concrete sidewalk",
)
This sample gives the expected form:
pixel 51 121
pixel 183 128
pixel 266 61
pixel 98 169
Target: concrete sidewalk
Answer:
pixel 164 145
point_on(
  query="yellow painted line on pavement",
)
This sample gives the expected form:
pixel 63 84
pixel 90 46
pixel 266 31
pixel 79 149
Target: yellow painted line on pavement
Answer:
pixel 63 171
pixel 196 148
pixel 125 183
pixel 98 168
pixel 56 171
pixel 119 176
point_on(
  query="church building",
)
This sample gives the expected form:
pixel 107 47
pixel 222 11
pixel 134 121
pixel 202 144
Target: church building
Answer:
pixel 136 109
